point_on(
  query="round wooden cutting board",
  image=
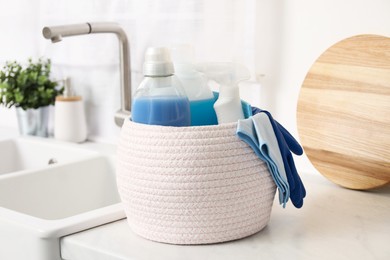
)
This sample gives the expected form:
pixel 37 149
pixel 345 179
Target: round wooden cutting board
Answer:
pixel 344 112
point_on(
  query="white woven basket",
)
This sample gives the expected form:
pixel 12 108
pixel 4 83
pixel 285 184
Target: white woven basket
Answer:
pixel 192 185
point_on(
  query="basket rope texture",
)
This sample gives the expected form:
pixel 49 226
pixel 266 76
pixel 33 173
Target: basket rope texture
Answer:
pixel 192 185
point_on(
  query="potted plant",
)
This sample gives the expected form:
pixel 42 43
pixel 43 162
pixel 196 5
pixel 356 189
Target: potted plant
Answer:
pixel 30 90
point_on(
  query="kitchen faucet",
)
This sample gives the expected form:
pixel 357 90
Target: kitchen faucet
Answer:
pixel 56 33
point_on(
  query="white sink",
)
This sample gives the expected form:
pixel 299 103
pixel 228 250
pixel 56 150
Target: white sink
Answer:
pixel 44 203
pixel 30 153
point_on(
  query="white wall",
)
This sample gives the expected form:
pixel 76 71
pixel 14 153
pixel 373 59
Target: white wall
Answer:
pixel 277 40
pixel 309 28
pixel 220 31
pixel 16 15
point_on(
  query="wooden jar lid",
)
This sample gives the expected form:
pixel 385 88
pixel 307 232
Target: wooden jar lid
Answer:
pixel 72 98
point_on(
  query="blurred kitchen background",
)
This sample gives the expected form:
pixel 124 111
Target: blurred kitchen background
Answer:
pixel 277 40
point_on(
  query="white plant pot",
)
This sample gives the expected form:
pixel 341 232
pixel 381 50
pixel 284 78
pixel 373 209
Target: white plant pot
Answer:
pixel 33 121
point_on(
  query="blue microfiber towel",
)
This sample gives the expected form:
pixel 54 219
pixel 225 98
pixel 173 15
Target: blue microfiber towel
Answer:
pixel 297 190
pixel 293 145
pixel 258 133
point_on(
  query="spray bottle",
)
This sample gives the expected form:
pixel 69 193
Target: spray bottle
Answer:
pixel 227 74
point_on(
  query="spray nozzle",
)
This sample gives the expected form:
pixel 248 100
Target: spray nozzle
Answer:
pixel 226 74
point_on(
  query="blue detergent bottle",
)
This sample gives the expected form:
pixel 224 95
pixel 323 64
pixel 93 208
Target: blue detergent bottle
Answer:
pixel 160 99
pixel 195 86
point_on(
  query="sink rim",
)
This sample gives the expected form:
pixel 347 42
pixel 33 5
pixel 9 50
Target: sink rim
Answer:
pixel 46 228
pixel 56 228
pixel 49 142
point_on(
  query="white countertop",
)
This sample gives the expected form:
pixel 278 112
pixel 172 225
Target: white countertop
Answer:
pixel 334 223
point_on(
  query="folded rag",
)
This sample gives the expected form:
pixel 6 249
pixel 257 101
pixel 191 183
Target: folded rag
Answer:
pixel 293 145
pixel 260 134
pixel 297 189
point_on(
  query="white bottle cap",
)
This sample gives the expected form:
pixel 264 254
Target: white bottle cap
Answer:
pixel 158 62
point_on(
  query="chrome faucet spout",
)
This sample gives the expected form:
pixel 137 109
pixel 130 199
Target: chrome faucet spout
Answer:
pixel 56 33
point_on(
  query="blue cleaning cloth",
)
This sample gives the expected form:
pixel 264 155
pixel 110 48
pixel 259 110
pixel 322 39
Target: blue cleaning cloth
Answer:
pixel 293 145
pixel 258 133
pixel 297 189
pixel 286 143
pixel 249 131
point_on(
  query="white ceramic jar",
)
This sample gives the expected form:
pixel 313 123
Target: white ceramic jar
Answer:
pixel 69 119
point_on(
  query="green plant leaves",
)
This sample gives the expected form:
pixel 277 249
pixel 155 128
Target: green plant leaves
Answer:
pixel 29 86
pixel 18 96
pixel 42 79
pixel 22 78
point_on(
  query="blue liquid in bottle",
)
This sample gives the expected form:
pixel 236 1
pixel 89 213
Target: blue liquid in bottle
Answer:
pixel 161 110
pixel 203 113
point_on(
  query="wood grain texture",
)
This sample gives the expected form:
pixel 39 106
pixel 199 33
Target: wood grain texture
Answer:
pixel 344 112
pixel 68 99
